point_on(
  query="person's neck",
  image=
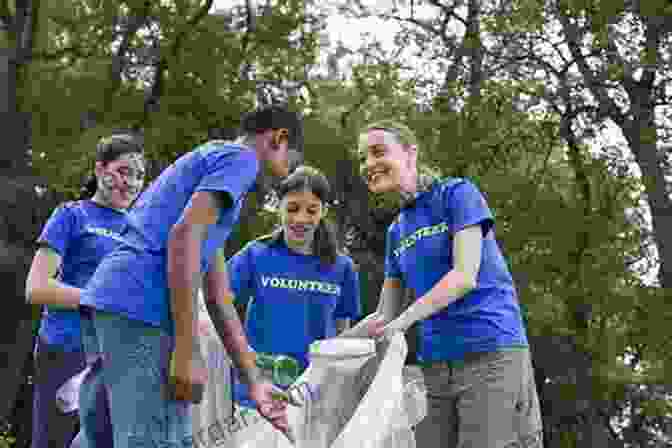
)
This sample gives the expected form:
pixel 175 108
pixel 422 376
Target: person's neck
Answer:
pixel 409 190
pixel 99 200
pixel 302 248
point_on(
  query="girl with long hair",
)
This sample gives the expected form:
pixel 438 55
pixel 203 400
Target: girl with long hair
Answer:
pixel 297 284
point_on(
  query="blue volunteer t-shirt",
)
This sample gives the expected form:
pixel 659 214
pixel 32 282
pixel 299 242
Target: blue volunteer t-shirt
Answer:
pixel 419 253
pixel 132 280
pixel 293 299
pixel 82 233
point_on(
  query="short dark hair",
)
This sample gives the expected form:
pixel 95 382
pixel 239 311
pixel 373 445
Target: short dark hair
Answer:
pixel 275 116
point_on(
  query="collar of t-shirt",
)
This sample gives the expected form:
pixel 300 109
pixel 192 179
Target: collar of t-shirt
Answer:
pixel 277 239
pixel 105 207
pixel 425 185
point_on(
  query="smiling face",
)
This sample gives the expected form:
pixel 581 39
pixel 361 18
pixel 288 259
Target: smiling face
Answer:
pixel 120 181
pixel 300 215
pixel 388 164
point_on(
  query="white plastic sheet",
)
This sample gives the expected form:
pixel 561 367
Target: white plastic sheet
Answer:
pixel 354 394
pixel 216 408
pixel 67 396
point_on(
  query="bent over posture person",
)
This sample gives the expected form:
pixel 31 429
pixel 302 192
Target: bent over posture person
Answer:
pixel 472 340
pixel 141 301
pixel 74 240
pixel 297 284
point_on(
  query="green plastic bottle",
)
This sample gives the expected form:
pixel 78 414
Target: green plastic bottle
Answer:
pixel 283 370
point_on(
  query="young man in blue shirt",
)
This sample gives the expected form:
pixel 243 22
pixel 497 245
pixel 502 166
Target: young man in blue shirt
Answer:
pixel 140 303
pixel 472 340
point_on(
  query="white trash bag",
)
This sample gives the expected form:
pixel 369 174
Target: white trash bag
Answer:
pixel 67 395
pixel 354 393
pixel 340 373
pixel 215 409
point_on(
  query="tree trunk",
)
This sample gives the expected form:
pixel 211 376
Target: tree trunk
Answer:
pixel 18 227
pixel 638 126
pixel 19 204
pixel 639 136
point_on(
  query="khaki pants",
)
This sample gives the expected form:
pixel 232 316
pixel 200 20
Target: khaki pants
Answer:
pixel 487 401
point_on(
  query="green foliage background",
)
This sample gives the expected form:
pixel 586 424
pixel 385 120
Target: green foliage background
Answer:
pixel 563 213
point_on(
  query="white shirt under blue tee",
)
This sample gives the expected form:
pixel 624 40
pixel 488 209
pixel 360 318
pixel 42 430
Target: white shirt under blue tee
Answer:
pixel 132 280
pixel 419 253
pixel 82 233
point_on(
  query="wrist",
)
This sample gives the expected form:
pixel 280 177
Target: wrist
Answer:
pixel 225 298
pixel 250 375
pixel 246 363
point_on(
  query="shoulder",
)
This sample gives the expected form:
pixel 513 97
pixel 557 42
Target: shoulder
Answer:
pixel 448 185
pixel 255 247
pixel 459 189
pixel 219 149
pixel 215 152
pixel 73 205
pixel 69 209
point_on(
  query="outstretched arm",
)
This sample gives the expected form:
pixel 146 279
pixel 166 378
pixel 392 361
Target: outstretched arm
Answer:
pixel 454 285
pixel 184 274
pixel 219 302
pixel 389 306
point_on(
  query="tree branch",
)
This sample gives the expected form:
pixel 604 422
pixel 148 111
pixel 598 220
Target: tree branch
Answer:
pixel 245 40
pixel 6 15
pixel 135 22
pixel 449 11
pixel 59 54
pixel 652 35
pixel 473 41
pixel 24 22
pixel 191 23
pixel 572 34
pixel 156 90
pixel 416 22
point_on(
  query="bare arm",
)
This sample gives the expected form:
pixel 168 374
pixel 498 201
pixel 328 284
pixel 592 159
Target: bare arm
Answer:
pixel 458 282
pixel 391 299
pixel 219 302
pixel 184 266
pixel 389 306
pixel 41 286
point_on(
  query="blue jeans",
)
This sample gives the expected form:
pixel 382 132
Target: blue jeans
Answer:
pixel 135 359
